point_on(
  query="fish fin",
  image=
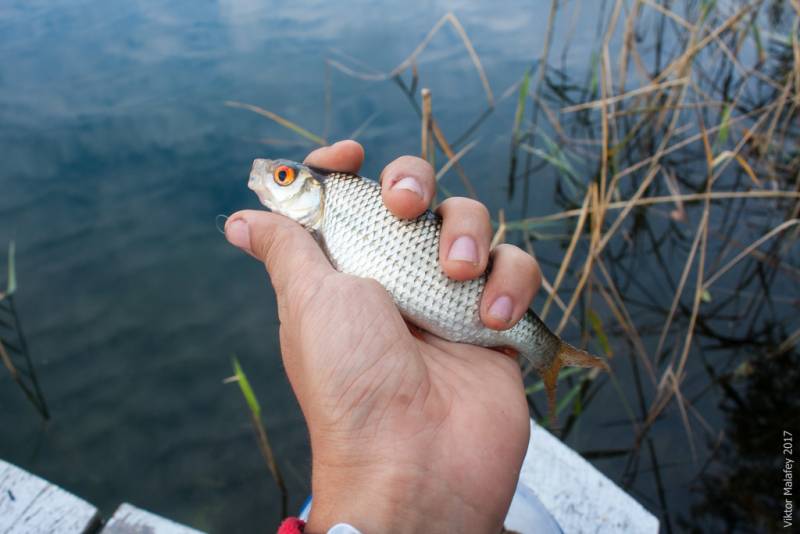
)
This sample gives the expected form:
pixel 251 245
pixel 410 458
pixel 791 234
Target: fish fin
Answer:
pixel 574 357
pixel 566 355
pixel 549 376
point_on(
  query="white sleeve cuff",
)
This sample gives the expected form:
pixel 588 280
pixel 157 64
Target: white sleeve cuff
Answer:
pixel 343 528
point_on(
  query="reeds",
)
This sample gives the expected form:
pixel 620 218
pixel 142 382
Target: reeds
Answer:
pixel 261 432
pixel 676 164
pixel 14 346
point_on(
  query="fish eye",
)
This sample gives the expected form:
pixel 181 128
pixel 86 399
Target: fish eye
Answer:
pixel 283 175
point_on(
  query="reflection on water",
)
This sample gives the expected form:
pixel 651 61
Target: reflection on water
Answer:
pixel 741 487
pixel 119 154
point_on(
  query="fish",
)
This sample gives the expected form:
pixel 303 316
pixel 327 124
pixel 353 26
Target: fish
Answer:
pixel 361 237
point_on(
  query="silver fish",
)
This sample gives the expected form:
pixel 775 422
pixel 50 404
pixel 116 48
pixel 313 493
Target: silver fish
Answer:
pixel 361 237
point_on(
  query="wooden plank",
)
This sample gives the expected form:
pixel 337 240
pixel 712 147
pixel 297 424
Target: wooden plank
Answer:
pixel 29 504
pixel 577 496
pixel 131 520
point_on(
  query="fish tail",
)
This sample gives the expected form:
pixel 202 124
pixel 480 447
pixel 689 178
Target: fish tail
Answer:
pixel 565 355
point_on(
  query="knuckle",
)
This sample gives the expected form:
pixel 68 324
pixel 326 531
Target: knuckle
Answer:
pixel 270 246
pixel 464 205
pixel 514 255
pixel 516 262
pixel 413 161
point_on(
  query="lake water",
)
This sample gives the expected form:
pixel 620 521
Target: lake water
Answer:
pixel 119 153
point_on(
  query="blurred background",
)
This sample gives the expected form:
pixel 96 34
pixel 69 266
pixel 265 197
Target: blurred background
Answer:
pixel 652 144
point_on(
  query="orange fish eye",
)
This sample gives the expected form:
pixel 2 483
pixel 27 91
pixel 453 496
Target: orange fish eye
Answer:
pixel 283 175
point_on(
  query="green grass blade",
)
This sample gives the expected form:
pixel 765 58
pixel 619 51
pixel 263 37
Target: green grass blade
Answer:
pixel 724 126
pixel 12 271
pixel 599 332
pixel 762 56
pixel 520 111
pixel 247 391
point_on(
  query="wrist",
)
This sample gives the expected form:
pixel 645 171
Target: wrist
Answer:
pixel 392 498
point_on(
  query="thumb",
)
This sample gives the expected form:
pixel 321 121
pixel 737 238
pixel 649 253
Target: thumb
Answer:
pixel 289 252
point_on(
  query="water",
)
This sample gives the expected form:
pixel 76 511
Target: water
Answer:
pixel 118 154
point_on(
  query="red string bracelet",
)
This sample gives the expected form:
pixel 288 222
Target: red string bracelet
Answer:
pixel 291 525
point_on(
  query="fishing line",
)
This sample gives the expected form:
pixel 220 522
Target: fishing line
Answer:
pixel 220 219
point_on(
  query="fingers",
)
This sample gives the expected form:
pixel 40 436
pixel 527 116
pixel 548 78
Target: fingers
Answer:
pixel 466 236
pixel 292 257
pixel 345 156
pixel 513 282
pixel 408 186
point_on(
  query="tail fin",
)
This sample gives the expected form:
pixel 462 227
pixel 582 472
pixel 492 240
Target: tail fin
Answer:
pixel 570 356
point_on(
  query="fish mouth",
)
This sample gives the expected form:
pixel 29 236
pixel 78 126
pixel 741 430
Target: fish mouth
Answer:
pixel 260 170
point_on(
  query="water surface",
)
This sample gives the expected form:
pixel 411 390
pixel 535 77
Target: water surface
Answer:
pixel 118 154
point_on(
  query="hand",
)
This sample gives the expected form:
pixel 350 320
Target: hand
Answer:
pixel 409 433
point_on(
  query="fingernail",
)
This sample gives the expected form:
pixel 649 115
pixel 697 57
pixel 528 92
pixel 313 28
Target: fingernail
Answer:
pixel 409 183
pixel 502 308
pixel 238 234
pixel 464 249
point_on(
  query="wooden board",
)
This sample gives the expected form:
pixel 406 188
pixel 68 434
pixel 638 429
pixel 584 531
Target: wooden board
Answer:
pixel 30 505
pixel 577 496
pixel 131 520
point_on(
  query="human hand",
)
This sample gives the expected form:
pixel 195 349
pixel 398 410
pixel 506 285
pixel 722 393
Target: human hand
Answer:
pixel 409 432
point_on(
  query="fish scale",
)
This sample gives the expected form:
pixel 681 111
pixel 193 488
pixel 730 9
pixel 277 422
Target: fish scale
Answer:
pixel 363 238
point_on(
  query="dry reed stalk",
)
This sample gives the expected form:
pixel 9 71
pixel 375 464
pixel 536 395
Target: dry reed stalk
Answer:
pixel 328 102
pixel 286 123
pixel 546 285
pixel 456 157
pixel 690 140
pixel 627 209
pixel 669 14
pixel 596 104
pixel 12 369
pixel 681 62
pixel 671 387
pixel 796 52
pixel 628 42
pixel 664 199
pixel 605 126
pixel 552 120
pixel 587 266
pixel 426 124
pixel 788 343
pixel 682 405
pixel 679 290
pixel 500 234
pixel 570 250
pixel 698 297
pixel 441 140
pixel 627 323
pixel 757 243
pixel 548 37
pixel 411 59
pixel 779 110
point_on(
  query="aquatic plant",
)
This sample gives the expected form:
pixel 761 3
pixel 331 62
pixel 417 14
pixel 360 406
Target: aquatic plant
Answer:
pixel 261 432
pixel 13 345
pixel 678 147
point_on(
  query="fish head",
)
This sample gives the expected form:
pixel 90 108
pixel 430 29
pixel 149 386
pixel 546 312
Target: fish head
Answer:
pixel 290 189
